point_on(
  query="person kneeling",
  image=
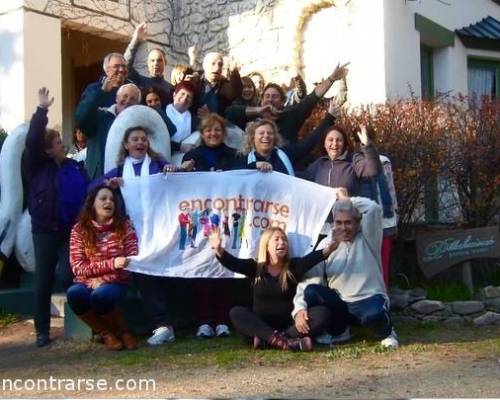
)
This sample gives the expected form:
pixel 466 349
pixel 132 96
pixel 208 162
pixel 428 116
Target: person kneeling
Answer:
pixel 100 244
pixel 350 281
pixel 274 277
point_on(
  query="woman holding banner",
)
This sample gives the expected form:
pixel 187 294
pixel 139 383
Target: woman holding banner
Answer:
pixel 274 275
pixel 264 150
pixel 212 295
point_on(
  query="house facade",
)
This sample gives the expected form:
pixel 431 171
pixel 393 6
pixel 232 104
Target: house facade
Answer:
pixel 396 48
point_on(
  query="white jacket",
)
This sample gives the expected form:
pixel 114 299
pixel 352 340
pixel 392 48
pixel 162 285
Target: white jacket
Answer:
pixel 354 270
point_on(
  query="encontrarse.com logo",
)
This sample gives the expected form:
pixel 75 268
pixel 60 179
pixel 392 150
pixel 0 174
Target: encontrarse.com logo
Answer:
pixel 77 384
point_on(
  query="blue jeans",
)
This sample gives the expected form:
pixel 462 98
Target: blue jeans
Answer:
pixel 102 300
pixel 372 312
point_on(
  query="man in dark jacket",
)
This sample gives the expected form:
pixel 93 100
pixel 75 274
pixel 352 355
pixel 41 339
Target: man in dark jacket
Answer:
pixel 96 121
pixel 156 62
pixel 272 106
pixel 56 190
pixel 115 68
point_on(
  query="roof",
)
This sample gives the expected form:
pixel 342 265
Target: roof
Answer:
pixel 482 34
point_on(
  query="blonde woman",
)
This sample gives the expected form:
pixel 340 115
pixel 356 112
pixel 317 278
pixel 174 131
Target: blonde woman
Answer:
pixel 274 276
pixel 264 147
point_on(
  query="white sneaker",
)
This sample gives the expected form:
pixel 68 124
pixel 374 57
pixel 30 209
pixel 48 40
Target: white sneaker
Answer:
pixel 324 339
pixel 222 330
pixel 391 341
pixel 163 334
pixel 343 337
pixel 205 331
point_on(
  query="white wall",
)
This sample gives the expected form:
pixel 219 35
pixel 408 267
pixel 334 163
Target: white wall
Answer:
pixel 11 70
pixel 403 43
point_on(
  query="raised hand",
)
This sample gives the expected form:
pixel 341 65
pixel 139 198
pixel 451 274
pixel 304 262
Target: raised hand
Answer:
pixel 114 183
pixel 335 105
pixel 141 31
pixel 339 72
pixel 111 82
pixel 363 135
pixel 43 98
pixel 215 240
pixel 120 262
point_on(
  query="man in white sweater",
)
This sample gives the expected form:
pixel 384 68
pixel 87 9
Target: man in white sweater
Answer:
pixel 350 281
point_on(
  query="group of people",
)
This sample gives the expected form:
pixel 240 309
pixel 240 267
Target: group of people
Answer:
pixel 78 222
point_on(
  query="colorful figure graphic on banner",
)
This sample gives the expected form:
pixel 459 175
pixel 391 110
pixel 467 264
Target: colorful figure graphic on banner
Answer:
pixel 184 222
pixel 243 230
pixel 214 220
pixel 205 222
pixel 225 224
pixel 236 218
pixel 195 220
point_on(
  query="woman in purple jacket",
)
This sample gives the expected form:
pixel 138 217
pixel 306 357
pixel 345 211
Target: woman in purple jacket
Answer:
pixel 56 190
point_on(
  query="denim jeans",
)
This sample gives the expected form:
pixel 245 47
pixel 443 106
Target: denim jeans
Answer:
pixel 371 312
pixel 102 300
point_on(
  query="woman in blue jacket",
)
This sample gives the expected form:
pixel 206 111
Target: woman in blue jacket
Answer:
pixel 56 187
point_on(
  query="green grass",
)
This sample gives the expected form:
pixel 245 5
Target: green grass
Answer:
pixel 7 319
pixel 448 292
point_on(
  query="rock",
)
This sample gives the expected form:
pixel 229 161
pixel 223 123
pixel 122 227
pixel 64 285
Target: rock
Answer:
pixel 467 307
pixel 490 292
pixel 399 301
pixel 395 290
pixel 488 318
pixel 427 306
pixel 453 321
pixel 431 319
pixel 416 294
pixel 493 304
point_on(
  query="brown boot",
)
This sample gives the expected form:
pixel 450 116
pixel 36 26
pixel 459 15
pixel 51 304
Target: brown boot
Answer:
pixel 120 329
pixel 278 341
pixel 99 325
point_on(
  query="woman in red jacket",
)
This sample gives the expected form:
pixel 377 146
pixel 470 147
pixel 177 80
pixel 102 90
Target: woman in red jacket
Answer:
pixel 100 244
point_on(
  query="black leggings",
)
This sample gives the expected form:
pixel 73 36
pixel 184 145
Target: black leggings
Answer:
pixel 250 324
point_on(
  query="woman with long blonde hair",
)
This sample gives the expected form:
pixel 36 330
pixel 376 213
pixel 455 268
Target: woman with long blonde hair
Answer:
pixel 274 275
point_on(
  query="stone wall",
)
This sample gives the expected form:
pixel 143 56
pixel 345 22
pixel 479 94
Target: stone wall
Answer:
pixel 410 306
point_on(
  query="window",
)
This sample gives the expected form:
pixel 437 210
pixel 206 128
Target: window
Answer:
pixel 483 78
pixel 426 73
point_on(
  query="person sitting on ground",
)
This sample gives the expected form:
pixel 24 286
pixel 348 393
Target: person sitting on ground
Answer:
pixel 156 62
pixel 264 149
pixel 249 95
pixel 272 106
pixel 152 99
pixel 214 93
pixel 100 244
pixel 275 276
pixel 56 189
pixel 115 71
pixel 96 121
pixel 350 281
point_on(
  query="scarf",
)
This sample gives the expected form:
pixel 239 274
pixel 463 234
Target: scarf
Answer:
pixel 128 166
pixel 182 122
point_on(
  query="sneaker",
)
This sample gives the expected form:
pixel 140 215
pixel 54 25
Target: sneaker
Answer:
pixel 222 330
pixel 205 331
pixel 163 334
pixel 343 337
pixel 324 339
pixel 391 341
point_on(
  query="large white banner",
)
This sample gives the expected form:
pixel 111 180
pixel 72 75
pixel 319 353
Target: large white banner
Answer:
pixel 173 215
